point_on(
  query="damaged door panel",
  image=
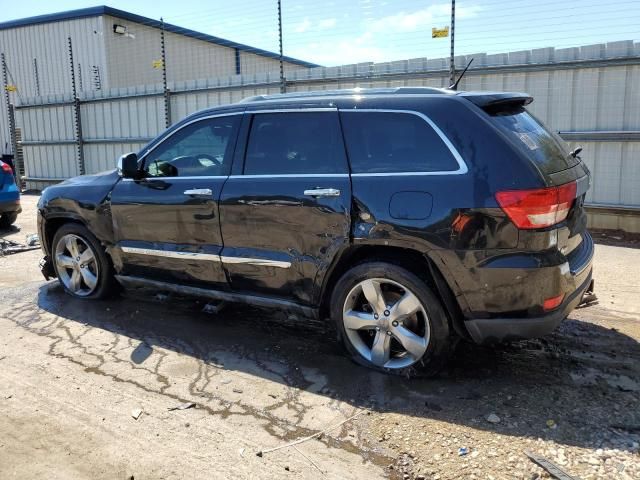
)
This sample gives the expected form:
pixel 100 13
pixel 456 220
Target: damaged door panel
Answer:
pixel 166 224
pixel 288 213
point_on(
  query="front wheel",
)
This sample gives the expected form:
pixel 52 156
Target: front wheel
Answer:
pixel 390 320
pixel 81 263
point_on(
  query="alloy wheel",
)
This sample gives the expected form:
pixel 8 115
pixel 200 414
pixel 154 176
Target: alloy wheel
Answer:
pixel 386 323
pixel 77 265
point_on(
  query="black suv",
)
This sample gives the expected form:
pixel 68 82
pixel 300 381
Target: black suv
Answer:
pixel 411 217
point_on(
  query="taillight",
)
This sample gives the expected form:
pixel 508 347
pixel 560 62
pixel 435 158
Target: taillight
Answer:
pixel 6 168
pixel 538 208
pixel 552 303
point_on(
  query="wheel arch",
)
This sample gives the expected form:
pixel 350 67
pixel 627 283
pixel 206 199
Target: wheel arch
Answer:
pixel 412 260
pixel 52 224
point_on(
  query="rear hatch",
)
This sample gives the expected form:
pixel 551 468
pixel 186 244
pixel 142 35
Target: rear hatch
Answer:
pixel 6 175
pixel 560 169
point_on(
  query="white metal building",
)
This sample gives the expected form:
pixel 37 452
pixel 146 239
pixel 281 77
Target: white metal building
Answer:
pixel 112 49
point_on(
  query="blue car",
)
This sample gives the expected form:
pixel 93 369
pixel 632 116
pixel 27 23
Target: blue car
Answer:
pixel 9 196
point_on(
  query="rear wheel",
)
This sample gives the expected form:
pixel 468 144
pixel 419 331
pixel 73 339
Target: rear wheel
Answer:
pixel 81 263
pixel 8 219
pixel 390 320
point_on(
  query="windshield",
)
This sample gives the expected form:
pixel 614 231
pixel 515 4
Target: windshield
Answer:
pixel 541 145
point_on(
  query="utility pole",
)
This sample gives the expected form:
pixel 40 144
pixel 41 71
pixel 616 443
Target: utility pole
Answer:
pixel 452 66
pixel 165 90
pixel 77 117
pixel 283 85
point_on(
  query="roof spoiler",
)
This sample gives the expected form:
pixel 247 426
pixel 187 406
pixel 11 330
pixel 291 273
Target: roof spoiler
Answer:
pixel 497 100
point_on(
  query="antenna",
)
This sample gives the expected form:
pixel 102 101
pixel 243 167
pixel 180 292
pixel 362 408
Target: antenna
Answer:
pixel 454 86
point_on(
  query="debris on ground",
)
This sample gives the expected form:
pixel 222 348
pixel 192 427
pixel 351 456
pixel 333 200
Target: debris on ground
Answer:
pixel 493 418
pixel 136 412
pixel 310 437
pixel 9 247
pixel 310 461
pixel 551 424
pixel 182 406
pixel 33 240
pixel 554 470
pixel 462 451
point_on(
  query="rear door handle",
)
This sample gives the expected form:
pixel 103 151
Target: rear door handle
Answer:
pixel 322 192
pixel 199 192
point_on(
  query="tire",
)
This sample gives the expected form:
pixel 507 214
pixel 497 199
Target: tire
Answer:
pixel 8 219
pixel 93 270
pixel 363 329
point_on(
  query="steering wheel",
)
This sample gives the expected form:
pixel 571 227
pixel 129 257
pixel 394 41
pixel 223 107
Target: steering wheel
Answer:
pixel 216 159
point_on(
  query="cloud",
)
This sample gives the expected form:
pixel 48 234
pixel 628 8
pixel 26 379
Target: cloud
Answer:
pixel 307 25
pixel 420 19
pixel 302 26
pixel 327 23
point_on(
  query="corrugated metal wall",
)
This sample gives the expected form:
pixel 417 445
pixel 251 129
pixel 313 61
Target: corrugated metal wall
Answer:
pixel 47 44
pixel 104 60
pixel 591 95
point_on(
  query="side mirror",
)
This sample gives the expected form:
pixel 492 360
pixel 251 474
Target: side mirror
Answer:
pixel 128 166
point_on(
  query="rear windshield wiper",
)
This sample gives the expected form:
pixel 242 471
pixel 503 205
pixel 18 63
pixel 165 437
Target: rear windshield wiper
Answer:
pixel 575 152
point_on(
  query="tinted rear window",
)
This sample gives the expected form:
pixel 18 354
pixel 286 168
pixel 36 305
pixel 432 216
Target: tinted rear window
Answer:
pixel 386 142
pixel 295 143
pixel 538 143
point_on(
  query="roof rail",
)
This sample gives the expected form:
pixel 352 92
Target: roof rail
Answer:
pixel 350 92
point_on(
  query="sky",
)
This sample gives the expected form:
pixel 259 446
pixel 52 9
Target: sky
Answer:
pixel 332 32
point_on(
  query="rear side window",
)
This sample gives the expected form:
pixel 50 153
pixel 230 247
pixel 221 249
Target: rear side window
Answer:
pixel 531 137
pixel 387 142
pixel 295 143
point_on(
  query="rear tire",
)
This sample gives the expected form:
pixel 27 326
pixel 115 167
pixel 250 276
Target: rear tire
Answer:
pixel 403 331
pixel 81 263
pixel 8 219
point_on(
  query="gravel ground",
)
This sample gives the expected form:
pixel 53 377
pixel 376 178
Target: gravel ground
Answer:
pixel 73 375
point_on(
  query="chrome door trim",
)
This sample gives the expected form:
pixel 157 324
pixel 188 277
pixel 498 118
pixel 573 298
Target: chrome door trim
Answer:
pixel 462 166
pixel 263 262
pixel 192 177
pixel 294 175
pixel 172 254
pixel 255 261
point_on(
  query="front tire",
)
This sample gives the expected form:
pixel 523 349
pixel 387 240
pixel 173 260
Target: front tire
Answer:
pixel 388 319
pixel 81 263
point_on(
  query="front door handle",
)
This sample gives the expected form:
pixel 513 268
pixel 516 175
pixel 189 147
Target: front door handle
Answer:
pixel 322 192
pixel 199 192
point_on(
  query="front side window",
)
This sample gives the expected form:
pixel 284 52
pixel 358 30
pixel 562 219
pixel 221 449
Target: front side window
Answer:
pixel 388 142
pixel 295 143
pixel 203 148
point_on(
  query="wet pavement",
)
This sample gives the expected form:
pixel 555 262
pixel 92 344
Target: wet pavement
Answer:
pixel 72 372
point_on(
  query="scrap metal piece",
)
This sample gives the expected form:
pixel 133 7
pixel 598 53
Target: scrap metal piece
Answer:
pixel 588 297
pixel 8 247
pixel 554 470
pixel 182 406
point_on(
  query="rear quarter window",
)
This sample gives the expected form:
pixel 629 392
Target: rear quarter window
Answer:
pixel 531 137
pixel 388 142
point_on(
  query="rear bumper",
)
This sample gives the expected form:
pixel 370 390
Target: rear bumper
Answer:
pixel 10 206
pixel 495 330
